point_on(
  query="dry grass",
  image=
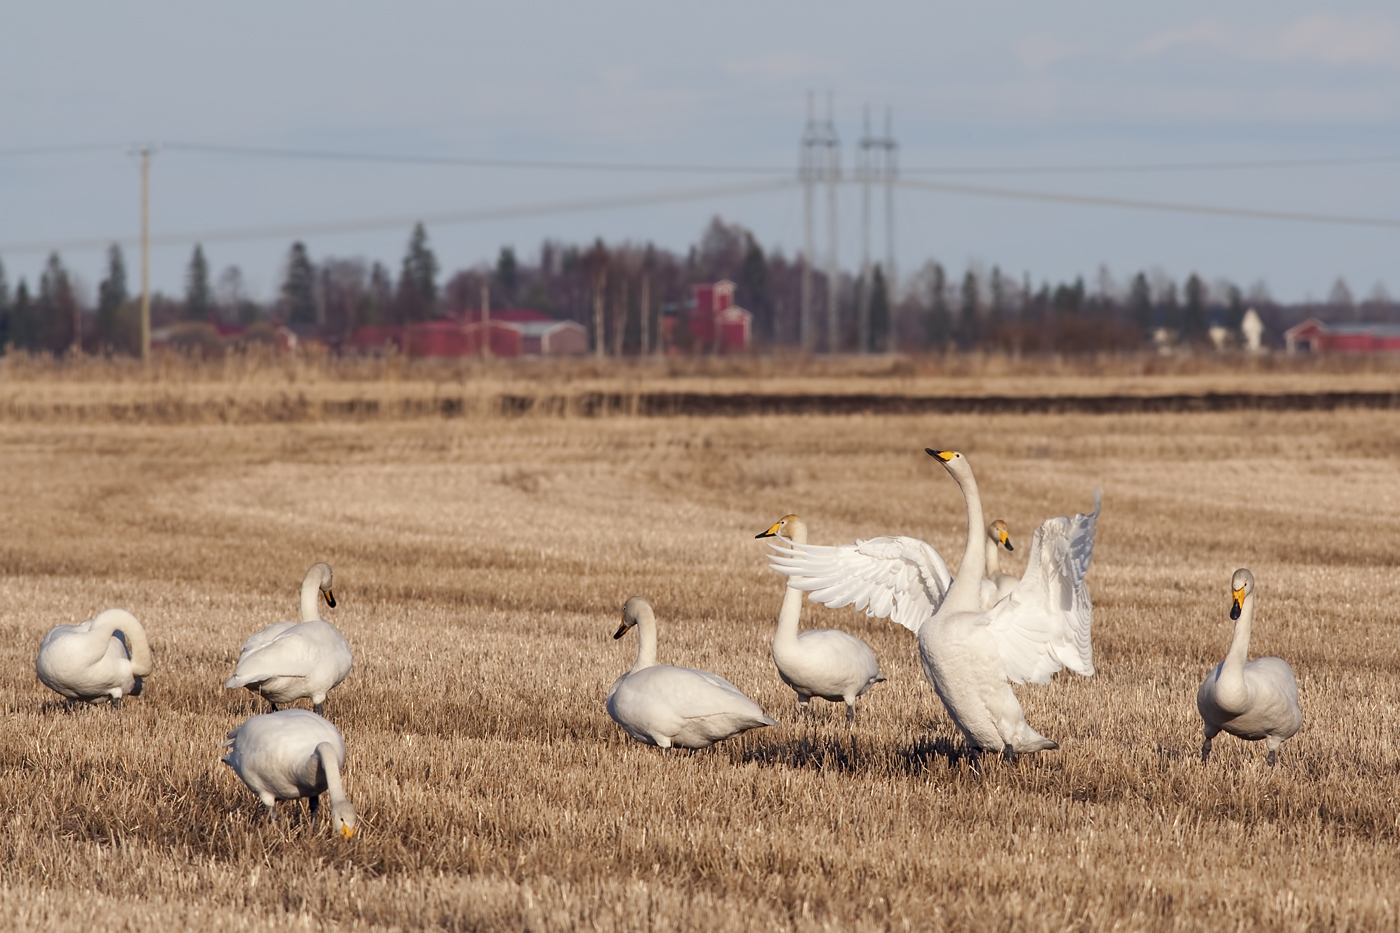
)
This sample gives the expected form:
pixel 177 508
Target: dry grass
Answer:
pixel 481 567
pixel 257 387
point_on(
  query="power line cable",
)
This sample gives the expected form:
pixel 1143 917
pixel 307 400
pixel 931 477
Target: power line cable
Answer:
pixel 407 220
pixel 1134 204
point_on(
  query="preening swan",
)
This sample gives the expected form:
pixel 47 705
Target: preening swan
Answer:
pixel 675 706
pixel 1251 699
pixel 290 660
pixel 997 585
pixel 102 658
pixel 968 652
pixel 289 754
pixel 823 663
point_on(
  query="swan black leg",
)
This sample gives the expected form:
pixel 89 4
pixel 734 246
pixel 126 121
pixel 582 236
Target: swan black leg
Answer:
pixel 273 705
pixel 319 708
pixel 1205 751
pixel 850 712
pixel 1009 753
pixel 314 803
pixel 1273 756
pixel 117 703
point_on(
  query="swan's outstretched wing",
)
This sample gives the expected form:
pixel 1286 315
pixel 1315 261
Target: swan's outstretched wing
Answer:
pixel 260 640
pixel 1044 624
pixel 894 577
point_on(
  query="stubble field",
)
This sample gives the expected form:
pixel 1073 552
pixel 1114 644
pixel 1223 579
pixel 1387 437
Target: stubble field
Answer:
pixel 481 566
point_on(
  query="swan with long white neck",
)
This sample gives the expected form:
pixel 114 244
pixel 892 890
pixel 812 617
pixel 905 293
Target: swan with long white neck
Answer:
pixel 972 655
pixel 290 754
pixel 824 663
pixel 677 707
pixel 290 661
pixel 1251 699
pixel 997 585
pixel 104 658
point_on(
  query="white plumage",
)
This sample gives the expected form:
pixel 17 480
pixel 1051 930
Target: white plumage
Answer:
pixel 289 754
pixel 675 706
pixel 100 659
pixel 824 663
pixel 295 660
pixel 996 586
pixel 1251 699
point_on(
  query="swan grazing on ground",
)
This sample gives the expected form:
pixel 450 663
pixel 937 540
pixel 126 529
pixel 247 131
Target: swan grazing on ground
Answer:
pixel 997 585
pixel 290 754
pixel 292 660
pixel 102 658
pixel 1251 699
pixel 675 706
pixel 823 663
pixel 969 653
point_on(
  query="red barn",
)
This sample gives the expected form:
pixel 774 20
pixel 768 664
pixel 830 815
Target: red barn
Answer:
pixel 1314 336
pixel 509 332
pixel 717 324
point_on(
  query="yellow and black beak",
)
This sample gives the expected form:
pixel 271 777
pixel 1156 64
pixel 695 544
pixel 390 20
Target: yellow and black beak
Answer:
pixel 1238 605
pixel 621 630
pixel 346 832
pixel 1005 540
pixel 944 455
pixel 330 598
pixel 771 532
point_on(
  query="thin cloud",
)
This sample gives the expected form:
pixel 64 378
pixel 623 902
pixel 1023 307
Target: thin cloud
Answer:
pixel 1321 38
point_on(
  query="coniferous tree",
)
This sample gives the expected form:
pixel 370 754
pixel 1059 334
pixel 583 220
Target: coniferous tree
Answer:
pixel 753 288
pixel 199 296
pixel 938 325
pixel 111 295
pixel 417 297
pixel 1140 303
pixel 507 278
pixel 969 327
pixel 26 332
pixel 57 307
pixel 1194 320
pixel 299 287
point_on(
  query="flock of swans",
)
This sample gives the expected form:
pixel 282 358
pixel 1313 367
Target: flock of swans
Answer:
pixel 977 634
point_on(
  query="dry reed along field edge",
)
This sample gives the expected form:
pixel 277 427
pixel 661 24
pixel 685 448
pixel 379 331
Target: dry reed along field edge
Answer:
pixel 481 565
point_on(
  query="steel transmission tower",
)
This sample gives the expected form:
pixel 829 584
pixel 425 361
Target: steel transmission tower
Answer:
pixel 876 163
pixel 820 162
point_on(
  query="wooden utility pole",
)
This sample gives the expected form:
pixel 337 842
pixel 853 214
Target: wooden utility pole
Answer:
pixel 646 315
pixel 599 345
pixel 145 255
pixel 620 321
pixel 485 321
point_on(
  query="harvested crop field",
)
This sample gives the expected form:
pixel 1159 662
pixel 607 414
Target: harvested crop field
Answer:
pixel 481 564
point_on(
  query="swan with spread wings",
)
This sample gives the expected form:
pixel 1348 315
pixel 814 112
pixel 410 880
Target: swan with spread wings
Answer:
pixel 971 654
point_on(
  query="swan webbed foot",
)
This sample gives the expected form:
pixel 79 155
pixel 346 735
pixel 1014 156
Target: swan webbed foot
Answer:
pixel 319 709
pixel 1205 751
pixel 272 705
pixel 1009 753
pixel 117 702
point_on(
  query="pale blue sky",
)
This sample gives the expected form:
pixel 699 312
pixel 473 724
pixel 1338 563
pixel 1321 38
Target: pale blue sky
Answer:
pixel 993 84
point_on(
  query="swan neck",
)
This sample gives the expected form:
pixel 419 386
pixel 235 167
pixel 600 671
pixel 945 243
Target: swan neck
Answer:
pixel 789 615
pixel 1230 691
pixel 138 649
pixel 330 764
pixel 993 554
pixel 310 596
pixel 965 595
pixel 646 640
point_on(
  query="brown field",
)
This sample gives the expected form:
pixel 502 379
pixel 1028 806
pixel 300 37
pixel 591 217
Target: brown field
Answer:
pixel 481 565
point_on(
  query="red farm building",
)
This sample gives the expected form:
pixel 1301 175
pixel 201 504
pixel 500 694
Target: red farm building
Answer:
pixel 508 333
pixel 1314 336
pixel 716 323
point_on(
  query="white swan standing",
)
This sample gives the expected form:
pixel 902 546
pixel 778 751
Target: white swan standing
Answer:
pixel 289 754
pixel 969 653
pixel 294 660
pixel 102 658
pixel 675 706
pixel 823 663
pixel 1251 699
pixel 997 585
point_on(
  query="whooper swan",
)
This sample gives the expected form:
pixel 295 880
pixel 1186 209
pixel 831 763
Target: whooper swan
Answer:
pixel 290 660
pixel 675 706
pixel 289 754
pixel 102 658
pixel 997 585
pixel 968 652
pixel 1251 699
pixel 823 663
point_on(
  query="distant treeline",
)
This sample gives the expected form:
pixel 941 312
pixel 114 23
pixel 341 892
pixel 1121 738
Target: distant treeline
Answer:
pixel 933 309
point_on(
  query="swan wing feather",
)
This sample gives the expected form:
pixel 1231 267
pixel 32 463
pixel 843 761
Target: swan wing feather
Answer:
pixel 1045 624
pixel 894 576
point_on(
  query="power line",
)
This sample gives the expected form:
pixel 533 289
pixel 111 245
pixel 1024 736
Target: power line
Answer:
pixel 1133 204
pixel 1147 167
pixel 407 220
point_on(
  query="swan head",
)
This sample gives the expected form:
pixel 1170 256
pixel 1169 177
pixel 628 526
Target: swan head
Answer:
pixel 343 816
pixel 954 462
pixel 636 609
pixel 999 535
pixel 1241 585
pixel 789 526
pixel 320 573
